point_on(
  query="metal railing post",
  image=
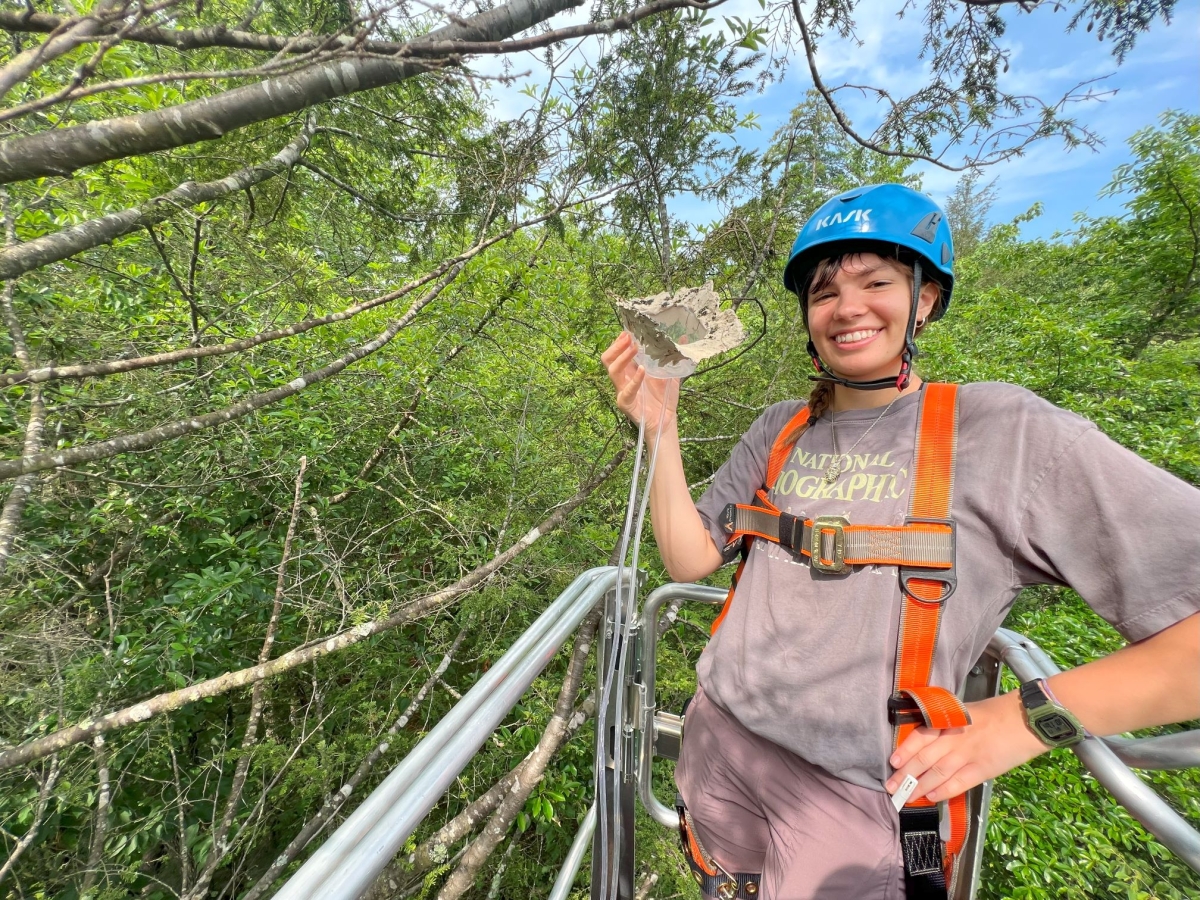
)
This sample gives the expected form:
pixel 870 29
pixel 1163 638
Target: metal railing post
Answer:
pixel 614 833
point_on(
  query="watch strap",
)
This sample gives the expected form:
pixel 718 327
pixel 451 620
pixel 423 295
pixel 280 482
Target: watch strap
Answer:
pixel 1035 693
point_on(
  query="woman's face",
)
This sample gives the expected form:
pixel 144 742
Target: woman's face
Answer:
pixel 857 321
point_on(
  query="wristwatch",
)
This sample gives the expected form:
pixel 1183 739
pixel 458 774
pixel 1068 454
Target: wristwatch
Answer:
pixel 1052 722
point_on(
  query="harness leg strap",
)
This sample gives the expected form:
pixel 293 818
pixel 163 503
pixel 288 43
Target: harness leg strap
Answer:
pixel 715 883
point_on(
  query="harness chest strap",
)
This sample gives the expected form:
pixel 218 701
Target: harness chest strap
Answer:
pixel 832 544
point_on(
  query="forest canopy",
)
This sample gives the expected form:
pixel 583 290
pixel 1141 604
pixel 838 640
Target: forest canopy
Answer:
pixel 304 422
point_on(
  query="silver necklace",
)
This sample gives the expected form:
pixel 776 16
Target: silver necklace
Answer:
pixel 834 472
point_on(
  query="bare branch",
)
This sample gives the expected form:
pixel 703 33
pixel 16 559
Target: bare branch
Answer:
pixel 810 53
pixel 59 245
pixel 335 801
pixel 100 827
pixel 435 850
pixel 409 414
pixel 198 38
pixel 143 440
pixel 427 48
pixel 66 37
pixel 45 792
pixel 64 150
pixel 22 489
pixel 220 842
pixel 463 876
pixel 140 712
pixel 337 182
pixel 116 366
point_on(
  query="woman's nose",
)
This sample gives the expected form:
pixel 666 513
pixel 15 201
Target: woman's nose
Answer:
pixel 849 305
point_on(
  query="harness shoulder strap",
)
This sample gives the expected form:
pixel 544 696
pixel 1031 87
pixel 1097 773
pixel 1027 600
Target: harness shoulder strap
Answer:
pixel 780 450
pixel 929 863
pixel 782 447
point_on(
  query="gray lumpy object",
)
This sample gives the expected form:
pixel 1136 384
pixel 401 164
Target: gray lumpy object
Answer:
pixel 678 330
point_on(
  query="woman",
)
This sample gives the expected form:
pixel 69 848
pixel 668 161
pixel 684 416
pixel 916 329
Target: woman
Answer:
pixel 805 721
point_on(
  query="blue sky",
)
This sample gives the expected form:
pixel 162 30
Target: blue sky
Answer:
pixel 1162 72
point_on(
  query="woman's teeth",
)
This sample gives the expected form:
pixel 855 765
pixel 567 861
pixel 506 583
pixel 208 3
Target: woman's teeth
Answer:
pixel 852 336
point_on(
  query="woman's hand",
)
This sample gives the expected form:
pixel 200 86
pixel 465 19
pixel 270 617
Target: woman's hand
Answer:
pixel 953 760
pixel 628 378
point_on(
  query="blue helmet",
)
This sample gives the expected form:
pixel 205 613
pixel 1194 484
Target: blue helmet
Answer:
pixel 881 218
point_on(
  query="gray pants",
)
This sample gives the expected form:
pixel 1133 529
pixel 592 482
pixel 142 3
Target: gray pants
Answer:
pixel 759 808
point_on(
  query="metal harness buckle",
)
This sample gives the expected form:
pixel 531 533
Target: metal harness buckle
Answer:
pixel 828 535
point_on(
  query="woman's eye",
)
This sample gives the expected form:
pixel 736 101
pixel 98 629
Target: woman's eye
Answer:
pixel 817 298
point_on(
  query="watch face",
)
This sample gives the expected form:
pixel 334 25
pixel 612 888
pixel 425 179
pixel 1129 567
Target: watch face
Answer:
pixel 1056 727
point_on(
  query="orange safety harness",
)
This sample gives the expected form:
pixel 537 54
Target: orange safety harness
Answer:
pixel 923 551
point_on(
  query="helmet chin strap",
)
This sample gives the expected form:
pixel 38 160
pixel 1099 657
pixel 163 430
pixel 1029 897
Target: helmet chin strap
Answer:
pixel 900 382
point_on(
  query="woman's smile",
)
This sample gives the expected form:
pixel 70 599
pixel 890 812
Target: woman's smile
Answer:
pixel 849 340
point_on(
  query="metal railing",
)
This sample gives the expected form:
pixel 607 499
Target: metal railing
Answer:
pixel 357 852
pixel 354 855
pixel 1103 757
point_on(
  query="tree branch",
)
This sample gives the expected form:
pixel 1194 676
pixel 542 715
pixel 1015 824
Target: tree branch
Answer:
pixel 200 38
pixel 349 189
pixel 117 366
pixel 140 712
pixel 810 53
pixel 451 47
pixel 100 828
pixel 143 440
pixel 64 150
pixel 435 850
pixel 220 841
pixel 22 489
pixel 336 800
pixel 409 414
pixel 59 245
pixel 463 876
pixel 69 34
pixel 45 792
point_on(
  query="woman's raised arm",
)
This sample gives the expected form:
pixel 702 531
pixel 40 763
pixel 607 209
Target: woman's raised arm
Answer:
pixel 683 541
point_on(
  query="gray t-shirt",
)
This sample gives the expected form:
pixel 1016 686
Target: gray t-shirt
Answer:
pixel 1040 497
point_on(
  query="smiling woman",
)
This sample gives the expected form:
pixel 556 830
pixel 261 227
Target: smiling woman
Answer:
pixel 828 754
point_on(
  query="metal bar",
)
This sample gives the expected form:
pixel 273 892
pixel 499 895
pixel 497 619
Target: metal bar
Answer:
pixel 658 810
pixel 983 681
pixel 354 855
pixel 570 866
pixel 1165 751
pixel 1028 662
pixel 613 838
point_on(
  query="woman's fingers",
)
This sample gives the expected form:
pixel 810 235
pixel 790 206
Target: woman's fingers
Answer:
pixel 620 343
pixel 917 740
pixel 627 395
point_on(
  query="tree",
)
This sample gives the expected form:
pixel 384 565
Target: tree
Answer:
pixel 967 209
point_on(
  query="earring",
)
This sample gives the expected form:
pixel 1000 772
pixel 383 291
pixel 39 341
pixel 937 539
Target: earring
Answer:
pixel 921 323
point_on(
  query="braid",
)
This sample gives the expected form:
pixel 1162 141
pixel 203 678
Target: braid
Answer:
pixel 818 402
